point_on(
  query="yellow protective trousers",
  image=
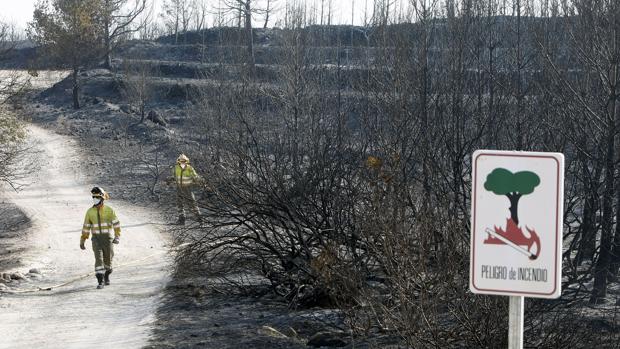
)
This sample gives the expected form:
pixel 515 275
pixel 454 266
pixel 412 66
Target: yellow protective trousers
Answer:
pixel 104 252
pixel 186 199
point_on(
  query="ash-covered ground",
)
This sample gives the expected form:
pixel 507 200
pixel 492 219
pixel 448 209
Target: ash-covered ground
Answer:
pixel 13 227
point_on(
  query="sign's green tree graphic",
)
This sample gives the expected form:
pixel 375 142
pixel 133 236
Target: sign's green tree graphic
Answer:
pixel 514 185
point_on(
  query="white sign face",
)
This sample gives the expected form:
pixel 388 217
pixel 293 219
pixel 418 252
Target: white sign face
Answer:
pixel 516 222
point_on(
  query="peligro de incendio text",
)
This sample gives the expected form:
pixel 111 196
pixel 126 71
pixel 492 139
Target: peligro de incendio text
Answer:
pixel 498 272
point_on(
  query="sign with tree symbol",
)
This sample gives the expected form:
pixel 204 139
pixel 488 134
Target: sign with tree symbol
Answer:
pixel 517 210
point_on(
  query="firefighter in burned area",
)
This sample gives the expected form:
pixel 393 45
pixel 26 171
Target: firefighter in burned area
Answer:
pixel 185 178
pixel 101 220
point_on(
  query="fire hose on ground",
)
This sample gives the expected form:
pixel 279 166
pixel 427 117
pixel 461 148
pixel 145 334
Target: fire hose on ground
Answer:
pixel 78 278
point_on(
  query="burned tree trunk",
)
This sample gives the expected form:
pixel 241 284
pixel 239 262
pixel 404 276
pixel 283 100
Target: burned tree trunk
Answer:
pixel 249 34
pixel 76 88
pixel 514 206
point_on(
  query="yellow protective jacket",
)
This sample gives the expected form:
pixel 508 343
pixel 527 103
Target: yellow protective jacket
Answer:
pixel 185 177
pixel 100 220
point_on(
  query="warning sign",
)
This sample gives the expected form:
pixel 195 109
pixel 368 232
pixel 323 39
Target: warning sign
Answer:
pixel 517 210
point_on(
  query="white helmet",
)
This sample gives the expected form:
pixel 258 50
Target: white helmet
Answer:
pixel 183 158
pixel 99 192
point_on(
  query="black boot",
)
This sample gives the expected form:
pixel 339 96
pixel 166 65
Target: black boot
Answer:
pixel 100 281
pixel 106 277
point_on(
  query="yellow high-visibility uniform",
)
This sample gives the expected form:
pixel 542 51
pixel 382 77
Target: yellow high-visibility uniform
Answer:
pixel 185 179
pixel 185 176
pixel 100 221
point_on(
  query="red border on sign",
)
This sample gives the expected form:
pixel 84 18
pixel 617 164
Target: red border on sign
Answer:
pixel 557 228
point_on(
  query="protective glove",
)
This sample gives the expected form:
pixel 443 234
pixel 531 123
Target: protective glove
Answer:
pixel 116 240
pixel 82 244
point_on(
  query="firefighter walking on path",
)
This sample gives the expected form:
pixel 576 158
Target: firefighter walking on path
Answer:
pixel 100 220
pixel 185 178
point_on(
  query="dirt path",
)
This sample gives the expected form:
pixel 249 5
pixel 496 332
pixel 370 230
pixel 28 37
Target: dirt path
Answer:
pixel 78 315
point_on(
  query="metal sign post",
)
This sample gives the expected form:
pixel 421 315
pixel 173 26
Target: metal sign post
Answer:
pixel 515 322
